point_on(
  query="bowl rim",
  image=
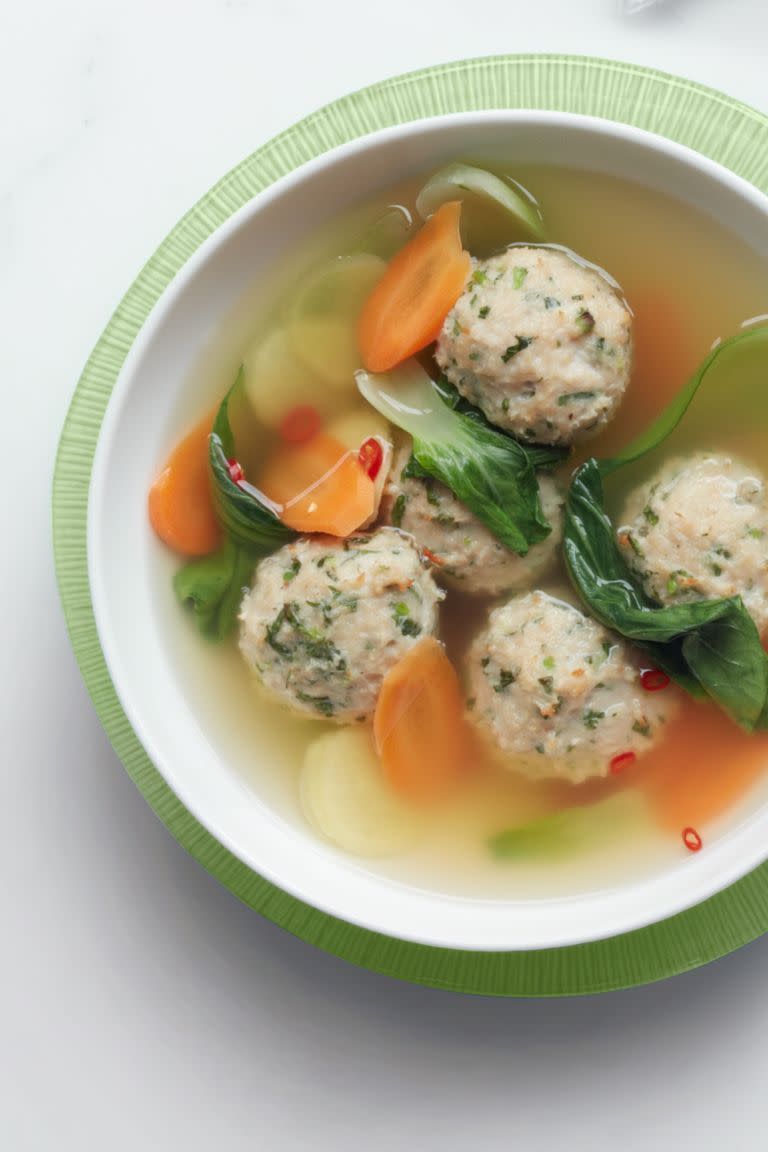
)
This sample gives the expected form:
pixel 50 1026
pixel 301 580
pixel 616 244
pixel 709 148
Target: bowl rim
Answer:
pixel 189 272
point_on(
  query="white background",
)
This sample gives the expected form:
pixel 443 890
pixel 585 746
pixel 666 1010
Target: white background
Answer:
pixel 141 1007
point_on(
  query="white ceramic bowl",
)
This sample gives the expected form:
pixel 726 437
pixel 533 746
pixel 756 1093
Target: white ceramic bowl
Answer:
pixel 129 584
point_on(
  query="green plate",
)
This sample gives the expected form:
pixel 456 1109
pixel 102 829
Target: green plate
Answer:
pixel 721 128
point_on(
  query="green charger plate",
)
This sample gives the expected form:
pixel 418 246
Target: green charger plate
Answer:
pixel 721 128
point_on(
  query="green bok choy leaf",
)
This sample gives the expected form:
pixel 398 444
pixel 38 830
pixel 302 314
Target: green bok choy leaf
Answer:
pixel 213 585
pixel 491 473
pixel 248 517
pixel 710 647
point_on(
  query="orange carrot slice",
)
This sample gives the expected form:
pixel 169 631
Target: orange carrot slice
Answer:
pixel 703 767
pixel 180 503
pixel 337 505
pixel 419 726
pixel 422 282
pixel 293 468
pixel 320 486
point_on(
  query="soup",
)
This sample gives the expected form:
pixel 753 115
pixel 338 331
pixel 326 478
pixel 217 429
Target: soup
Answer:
pixel 455 757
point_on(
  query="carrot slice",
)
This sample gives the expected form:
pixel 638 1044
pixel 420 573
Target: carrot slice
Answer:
pixel 320 485
pixel 703 767
pixel 422 283
pixel 180 502
pixel 293 468
pixel 337 505
pixel 419 726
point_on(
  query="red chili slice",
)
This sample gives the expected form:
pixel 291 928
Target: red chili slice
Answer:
pixel 622 761
pixel 653 679
pixel 236 472
pixel 371 456
pixel 300 424
pixel 692 840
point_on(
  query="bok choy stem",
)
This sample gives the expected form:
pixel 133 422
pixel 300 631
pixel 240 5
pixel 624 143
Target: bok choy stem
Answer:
pixel 450 182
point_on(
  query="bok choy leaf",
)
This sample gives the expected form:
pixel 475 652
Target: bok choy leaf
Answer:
pixel 710 647
pixel 245 514
pixel 213 585
pixel 491 473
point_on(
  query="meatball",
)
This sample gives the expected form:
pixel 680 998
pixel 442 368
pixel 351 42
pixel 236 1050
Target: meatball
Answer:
pixel 541 342
pixel 699 530
pixel 558 693
pixel 468 555
pixel 326 619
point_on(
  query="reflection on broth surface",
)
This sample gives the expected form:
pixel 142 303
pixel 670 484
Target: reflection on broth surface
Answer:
pixel 688 283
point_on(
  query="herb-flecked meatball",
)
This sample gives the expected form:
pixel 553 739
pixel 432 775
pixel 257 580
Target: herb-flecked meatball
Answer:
pixel 326 619
pixel 541 342
pixel 699 530
pixel 467 555
pixel 557 693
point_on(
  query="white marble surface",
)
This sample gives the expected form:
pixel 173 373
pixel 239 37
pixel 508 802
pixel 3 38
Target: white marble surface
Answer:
pixel 141 1006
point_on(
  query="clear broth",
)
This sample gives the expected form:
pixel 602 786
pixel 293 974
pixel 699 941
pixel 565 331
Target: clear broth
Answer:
pixel 689 282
